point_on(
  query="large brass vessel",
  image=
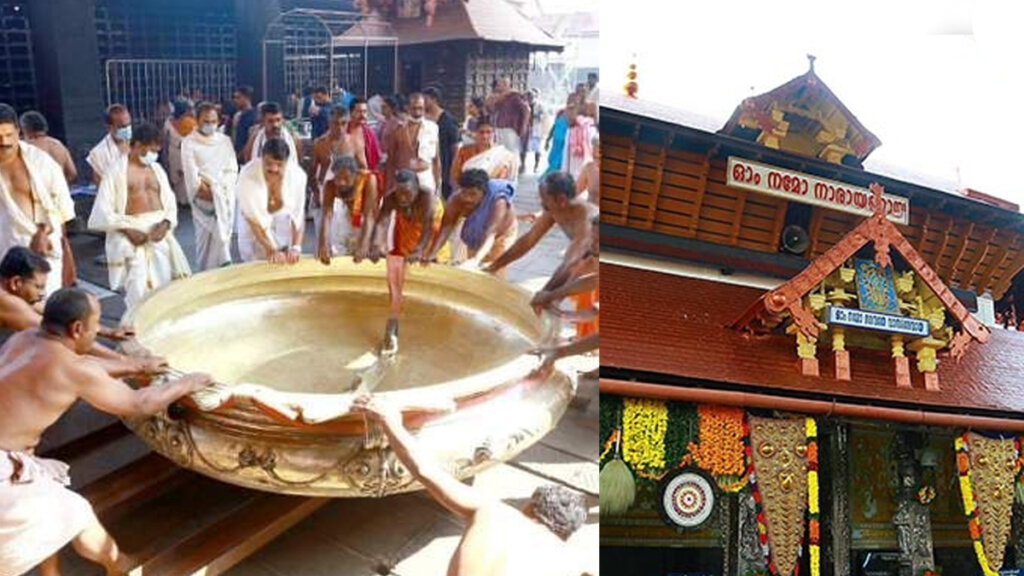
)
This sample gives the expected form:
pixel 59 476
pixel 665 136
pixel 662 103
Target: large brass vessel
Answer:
pixel 289 345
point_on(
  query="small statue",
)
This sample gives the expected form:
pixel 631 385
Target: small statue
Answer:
pixel 912 519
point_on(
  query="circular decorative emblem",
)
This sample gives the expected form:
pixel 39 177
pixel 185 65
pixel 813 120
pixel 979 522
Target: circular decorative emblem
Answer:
pixel 687 499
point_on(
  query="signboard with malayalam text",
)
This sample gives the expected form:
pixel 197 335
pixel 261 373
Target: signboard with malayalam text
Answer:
pixel 876 321
pixel 800 187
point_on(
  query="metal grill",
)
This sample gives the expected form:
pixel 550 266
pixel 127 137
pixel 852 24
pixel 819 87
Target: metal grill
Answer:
pixel 143 84
pixel 185 29
pixel 17 68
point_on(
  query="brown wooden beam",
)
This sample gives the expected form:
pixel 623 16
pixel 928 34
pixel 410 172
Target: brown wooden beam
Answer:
pixel 966 279
pixel 702 188
pixel 985 279
pixel 630 168
pixel 816 217
pixel 924 232
pixel 653 211
pixel 741 202
pixel 942 247
pixel 964 239
pixel 780 219
pixel 1011 271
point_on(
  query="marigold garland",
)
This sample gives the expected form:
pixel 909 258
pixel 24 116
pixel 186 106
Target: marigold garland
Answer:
pixel 967 493
pixel 643 434
pixel 720 447
pixel 813 509
pixel 608 444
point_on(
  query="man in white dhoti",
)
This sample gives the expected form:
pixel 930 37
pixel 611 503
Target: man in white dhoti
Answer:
pixel 136 209
pixel 114 145
pixel 43 371
pixel 211 171
pixel 272 126
pixel 271 193
pixel 34 198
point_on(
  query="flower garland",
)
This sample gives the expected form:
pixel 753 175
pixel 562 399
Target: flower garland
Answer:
pixel 966 492
pixel 608 444
pixel 720 447
pixel 643 434
pixel 813 505
pixel 813 509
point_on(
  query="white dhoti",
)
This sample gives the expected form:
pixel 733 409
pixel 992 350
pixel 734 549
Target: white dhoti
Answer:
pixel 104 155
pixel 137 270
pixel 52 205
pixel 252 194
pixel 39 515
pixel 174 162
pixel 340 229
pixel 211 159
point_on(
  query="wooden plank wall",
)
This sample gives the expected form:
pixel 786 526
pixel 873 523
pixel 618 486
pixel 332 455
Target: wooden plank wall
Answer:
pixel 684 194
pixel 681 193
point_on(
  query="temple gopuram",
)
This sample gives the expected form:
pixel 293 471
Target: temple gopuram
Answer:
pixel 802 370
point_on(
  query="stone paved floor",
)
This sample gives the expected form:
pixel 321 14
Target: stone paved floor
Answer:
pixel 411 535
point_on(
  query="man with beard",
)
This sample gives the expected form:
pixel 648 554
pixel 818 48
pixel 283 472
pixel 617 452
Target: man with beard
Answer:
pixel 417 215
pixel 271 126
pixel 414 146
pixel 363 136
pixel 271 200
pixel 35 203
pixel 349 207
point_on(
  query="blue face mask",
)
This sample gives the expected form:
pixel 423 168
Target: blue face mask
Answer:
pixel 124 134
pixel 149 158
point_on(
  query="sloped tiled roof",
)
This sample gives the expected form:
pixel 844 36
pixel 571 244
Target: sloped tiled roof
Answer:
pixel 691 318
pixel 491 20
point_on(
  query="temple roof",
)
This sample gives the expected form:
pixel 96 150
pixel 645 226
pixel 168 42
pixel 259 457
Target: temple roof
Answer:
pixel 804 116
pixel 692 319
pixel 491 20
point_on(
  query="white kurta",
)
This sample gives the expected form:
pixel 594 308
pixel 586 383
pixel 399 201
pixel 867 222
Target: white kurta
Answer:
pixel 104 155
pixel 137 270
pixel 426 150
pixel 261 138
pixel 252 194
pixel 53 206
pixel 213 159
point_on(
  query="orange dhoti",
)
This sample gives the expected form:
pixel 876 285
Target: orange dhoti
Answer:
pixel 408 231
pixel 585 302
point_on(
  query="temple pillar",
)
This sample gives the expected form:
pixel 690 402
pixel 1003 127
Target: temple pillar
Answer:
pixel 912 519
pixel 900 363
pixel 927 363
pixel 842 355
pixel 839 519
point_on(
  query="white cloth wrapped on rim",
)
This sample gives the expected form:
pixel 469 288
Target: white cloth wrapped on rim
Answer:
pixel 39 515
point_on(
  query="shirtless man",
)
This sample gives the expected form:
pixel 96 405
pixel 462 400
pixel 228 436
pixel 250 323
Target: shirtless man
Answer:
pixel 22 283
pixel 499 540
pixel 418 216
pixel 413 145
pixel 335 143
pixel 114 145
pixel 135 207
pixel 42 373
pixel 352 227
pixel 490 227
pixel 363 138
pixel 35 204
pixel 560 206
pixel 590 176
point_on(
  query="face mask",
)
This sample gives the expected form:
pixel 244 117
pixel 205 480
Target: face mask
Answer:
pixel 207 129
pixel 124 134
pixel 149 158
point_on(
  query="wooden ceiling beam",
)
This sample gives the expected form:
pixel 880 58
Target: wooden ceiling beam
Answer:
pixel 967 277
pixel 630 169
pixel 658 177
pixel 964 239
pixel 985 278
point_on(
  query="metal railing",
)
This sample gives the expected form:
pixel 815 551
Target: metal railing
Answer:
pixel 143 84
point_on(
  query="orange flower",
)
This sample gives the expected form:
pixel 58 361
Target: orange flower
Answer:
pixel 815 535
pixel 961 461
pixel 812 452
pixel 973 527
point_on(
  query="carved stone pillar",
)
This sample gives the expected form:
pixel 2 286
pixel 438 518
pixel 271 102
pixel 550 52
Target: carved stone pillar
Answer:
pixel 839 519
pixel 912 519
pixel 749 555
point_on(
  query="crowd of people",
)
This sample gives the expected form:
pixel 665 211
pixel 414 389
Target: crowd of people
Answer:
pixel 396 179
